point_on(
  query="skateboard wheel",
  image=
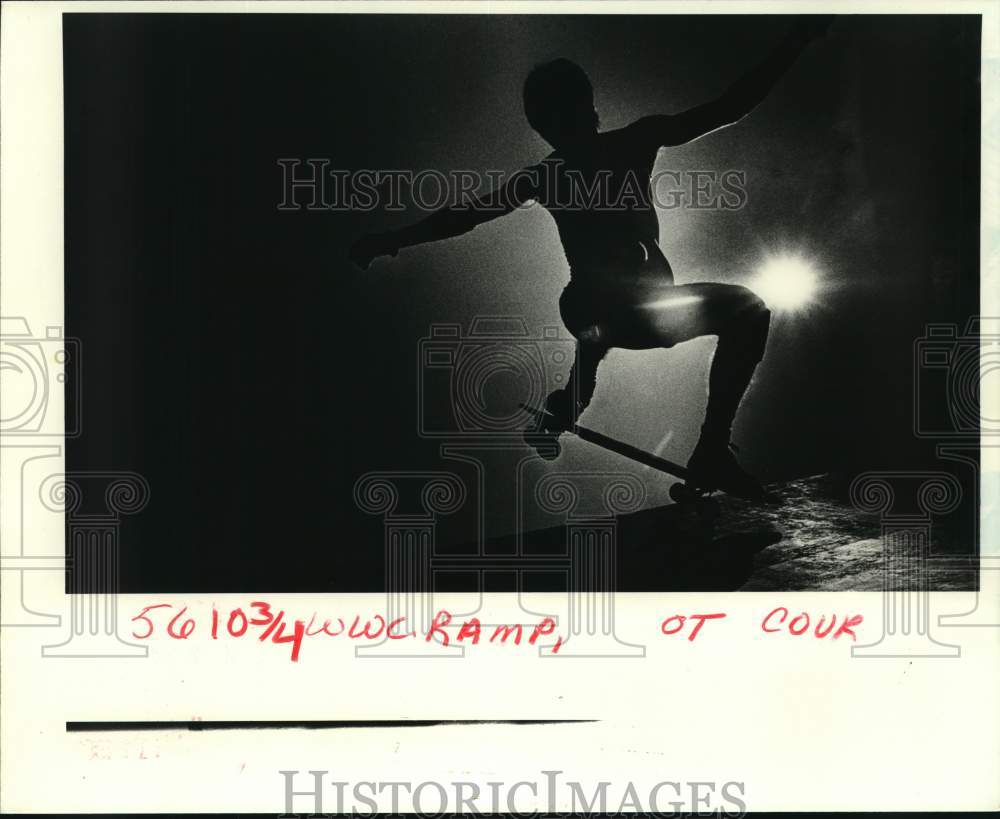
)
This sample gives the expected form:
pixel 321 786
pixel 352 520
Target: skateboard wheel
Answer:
pixel 684 493
pixel 550 451
pixel 547 446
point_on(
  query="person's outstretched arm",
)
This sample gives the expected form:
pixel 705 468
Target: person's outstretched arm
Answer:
pixel 447 222
pixel 742 97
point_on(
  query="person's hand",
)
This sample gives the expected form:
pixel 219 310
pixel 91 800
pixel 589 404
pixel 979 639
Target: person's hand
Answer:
pixel 371 246
pixel 809 27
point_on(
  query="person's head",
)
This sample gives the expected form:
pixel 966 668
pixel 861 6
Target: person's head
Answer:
pixel 559 102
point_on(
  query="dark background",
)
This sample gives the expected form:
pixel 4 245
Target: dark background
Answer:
pixel 233 357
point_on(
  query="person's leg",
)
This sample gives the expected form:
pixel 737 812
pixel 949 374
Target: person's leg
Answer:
pixel 581 309
pixel 563 406
pixel 739 351
pixel 742 339
pixel 566 404
pixel 647 317
pixel 670 315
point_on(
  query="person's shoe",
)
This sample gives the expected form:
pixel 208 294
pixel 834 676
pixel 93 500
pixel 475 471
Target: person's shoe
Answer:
pixel 561 412
pixel 560 416
pixel 714 466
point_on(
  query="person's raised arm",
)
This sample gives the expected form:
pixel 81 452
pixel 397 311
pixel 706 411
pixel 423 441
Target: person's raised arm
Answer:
pixel 449 221
pixel 741 97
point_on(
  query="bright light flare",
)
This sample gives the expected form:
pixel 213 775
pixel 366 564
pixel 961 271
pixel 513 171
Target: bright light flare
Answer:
pixel 673 301
pixel 786 282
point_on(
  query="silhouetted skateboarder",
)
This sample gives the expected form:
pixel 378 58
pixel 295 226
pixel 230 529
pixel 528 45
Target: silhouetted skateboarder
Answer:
pixel 621 291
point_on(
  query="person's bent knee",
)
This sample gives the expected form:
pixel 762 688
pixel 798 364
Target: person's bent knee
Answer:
pixel 748 300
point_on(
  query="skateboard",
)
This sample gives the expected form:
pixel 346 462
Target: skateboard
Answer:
pixel 548 447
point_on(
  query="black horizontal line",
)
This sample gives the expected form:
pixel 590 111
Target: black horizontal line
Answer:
pixel 225 725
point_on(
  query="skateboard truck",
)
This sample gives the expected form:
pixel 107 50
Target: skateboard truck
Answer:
pixel 548 447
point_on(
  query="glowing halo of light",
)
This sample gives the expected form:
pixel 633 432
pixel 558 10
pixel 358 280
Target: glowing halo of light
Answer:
pixel 787 282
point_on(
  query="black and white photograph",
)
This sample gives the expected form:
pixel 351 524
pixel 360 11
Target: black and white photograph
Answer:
pixel 499 407
pixel 702 273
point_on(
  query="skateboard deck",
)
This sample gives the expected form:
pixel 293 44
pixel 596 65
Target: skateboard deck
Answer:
pixel 679 492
